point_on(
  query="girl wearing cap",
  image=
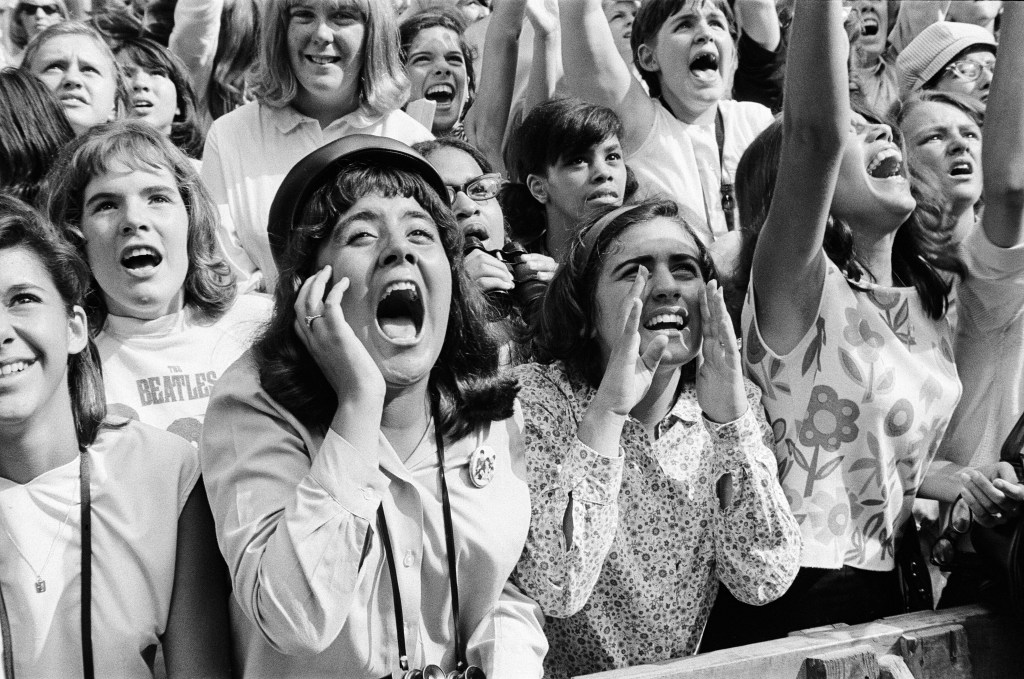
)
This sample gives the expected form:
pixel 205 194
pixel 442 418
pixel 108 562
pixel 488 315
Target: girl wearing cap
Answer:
pixel 650 475
pixel 108 544
pixel 163 303
pixel 856 364
pixel 951 57
pixel 327 68
pixel 360 457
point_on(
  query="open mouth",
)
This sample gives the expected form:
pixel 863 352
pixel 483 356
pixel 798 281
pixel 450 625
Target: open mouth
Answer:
pixel 676 320
pixel 705 66
pixel 400 311
pixel 886 164
pixel 71 99
pixel 13 368
pixel 961 168
pixel 442 94
pixel 322 60
pixel 868 26
pixel 140 258
pixel 142 104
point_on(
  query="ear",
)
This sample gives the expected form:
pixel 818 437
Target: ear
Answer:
pixel 646 59
pixel 538 187
pixel 78 330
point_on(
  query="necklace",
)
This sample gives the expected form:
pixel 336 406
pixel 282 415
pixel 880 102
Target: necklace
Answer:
pixel 40 582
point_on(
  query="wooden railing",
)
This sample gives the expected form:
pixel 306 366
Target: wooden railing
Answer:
pixel 959 643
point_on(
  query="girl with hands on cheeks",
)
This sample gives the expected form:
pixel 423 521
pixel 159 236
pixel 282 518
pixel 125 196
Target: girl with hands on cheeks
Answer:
pixel 649 473
pixel 368 497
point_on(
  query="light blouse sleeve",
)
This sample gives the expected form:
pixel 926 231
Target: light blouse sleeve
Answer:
pixel 248 276
pixel 757 540
pixel 574 501
pixel 293 531
pixel 510 643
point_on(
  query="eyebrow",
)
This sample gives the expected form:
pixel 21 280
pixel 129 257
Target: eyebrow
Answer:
pixel 644 259
pixel 147 191
pixel 15 288
pixel 374 217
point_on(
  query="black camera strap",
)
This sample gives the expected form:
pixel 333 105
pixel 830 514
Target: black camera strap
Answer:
pixel 85 496
pixel 449 535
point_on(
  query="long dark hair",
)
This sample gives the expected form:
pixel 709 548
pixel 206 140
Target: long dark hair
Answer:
pixel 33 129
pixel 466 373
pixel 23 227
pixel 920 250
pixel 557 129
pixel 186 129
pixel 566 328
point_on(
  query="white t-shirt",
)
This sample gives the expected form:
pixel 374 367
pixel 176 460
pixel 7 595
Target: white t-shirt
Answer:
pixel 162 371
pixel 140 478
pixel 248 153
pixel 681 161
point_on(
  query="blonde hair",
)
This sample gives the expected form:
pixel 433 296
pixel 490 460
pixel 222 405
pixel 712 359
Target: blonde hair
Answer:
pixel 16 30
pixel 383 85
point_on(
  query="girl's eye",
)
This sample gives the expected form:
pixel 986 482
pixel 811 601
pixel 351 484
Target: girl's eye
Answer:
pixel 104 206
pixel 301 14
pixel 614 156
pixel 24 298
pixel 359 237
pixel 160 198
pixel 421 59
pixel 422 234
pixel 456 60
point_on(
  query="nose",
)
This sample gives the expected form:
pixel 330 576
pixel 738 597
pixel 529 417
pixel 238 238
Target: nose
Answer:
pixel 141 81
pixel 464 207
pixel 879 132
pixel 133 218
pixel 600 171
pixel 664 286
pixel 396 251
pixel 323 32
pixel 984 80
pixel 72 78
pixel 40 13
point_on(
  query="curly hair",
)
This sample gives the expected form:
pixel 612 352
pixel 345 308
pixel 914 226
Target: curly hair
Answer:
pixel 209 285
pixel 23 227
pixel 466 376
pixel 919 249
pixel 28 143
pixel 557 129
pixel 383 85
pixel 566 328
pixel 154 58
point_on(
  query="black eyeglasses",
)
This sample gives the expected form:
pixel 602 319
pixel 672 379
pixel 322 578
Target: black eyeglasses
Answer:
pixel 481 188
pixel 969 70
pixel 960 520
pixel 31 8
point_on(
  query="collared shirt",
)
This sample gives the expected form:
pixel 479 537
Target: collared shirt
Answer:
pixel 248 153
pixel 296 514
pixel 681 162
pixel 858 408
pixel 650 540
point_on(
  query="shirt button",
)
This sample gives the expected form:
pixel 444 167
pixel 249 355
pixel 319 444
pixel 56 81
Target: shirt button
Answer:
pixel 408 560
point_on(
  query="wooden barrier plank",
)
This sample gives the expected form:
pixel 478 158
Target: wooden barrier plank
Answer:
pixel 858 662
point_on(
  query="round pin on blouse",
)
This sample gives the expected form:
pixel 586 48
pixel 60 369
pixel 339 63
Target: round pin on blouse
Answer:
pixel 481 466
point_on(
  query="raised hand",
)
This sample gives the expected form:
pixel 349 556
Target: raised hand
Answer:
pixel 720 390
pixel 629 374
pixel 533 265
pixel 543 15
pixel 342 358
pixel 488 272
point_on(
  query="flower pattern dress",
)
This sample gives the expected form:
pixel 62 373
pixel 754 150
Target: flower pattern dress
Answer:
pixel 650 541
pixel 858 409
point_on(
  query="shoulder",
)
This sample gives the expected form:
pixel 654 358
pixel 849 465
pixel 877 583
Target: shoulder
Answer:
pixel 548 387
pixel 239 119
pixel 248 310
pixel 143 455
pixel 746 114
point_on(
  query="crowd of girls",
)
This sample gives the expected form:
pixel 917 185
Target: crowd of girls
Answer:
pixel 498 338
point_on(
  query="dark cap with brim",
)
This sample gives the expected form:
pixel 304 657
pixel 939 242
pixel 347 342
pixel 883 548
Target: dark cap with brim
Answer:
pixel 326 163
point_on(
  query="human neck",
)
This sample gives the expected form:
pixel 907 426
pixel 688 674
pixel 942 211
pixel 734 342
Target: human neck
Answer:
pixel 325 110
pixel 656 403
pixel 555 239
pixel 47 441
pixel 874 251
pixel 695 113
pixel 405 418
pixel 962 221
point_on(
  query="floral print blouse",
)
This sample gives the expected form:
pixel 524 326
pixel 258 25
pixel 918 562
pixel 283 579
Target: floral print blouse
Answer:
pixel 858 409
pixel 649 539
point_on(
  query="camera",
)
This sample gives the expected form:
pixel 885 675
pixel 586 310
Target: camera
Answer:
pixel 526 294
pixel 435 672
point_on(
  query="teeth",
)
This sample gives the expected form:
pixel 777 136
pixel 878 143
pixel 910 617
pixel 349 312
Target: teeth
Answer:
pixel 666 319
pixel 10 368
pixel 400 285
pixel 321 60
pixel 138 252
pixel 440 89
pixel 884 155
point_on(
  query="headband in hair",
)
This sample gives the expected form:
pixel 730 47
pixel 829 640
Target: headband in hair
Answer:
pixel 589 237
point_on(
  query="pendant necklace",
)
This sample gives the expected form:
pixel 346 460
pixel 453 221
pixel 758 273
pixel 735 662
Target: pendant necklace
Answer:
pixel 40 582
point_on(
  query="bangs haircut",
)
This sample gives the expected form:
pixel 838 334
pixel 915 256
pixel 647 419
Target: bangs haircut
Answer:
pixel 122 93
pixel 383 85
pixel 152 57
pixel 653 14
pixel 566 328
pixel 440 17
pixel 22 227
pixel 209 285
pixel 466 374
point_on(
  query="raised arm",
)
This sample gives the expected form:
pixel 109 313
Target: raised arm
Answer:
pixel 816 123
pixel 546 69
pixel 488 118
pixel 595 72
pixel 1003 144
pixel 194 40
pixel 760 22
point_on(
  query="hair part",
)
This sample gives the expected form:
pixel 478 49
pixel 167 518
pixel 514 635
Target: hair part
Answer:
pixel 209 285
pixel 566 328
pixel 23 227
pixel 466 376
pixel 383 85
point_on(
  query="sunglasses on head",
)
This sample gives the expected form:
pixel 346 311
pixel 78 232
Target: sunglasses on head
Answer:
pixel 32 8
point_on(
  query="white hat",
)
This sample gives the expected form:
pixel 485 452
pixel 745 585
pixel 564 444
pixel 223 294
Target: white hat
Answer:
pixel 934 48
